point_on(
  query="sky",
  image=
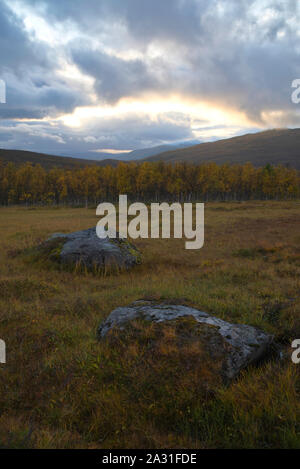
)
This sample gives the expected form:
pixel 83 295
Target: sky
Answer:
pixel 85 77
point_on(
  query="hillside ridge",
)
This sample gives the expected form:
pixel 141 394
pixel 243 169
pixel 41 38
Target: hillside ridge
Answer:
pixel 276 146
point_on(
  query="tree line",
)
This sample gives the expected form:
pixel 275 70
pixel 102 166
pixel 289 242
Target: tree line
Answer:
pixel 148 181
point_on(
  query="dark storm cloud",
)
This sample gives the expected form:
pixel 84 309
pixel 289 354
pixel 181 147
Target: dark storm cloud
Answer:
pixel 20 113
pixel 115 77
pixel 27 100
pixel 28 66
pixel 176 20
pixel 162 19
pixel 17 52
pixel 258 79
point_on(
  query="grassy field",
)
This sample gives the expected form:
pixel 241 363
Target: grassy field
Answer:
pixel 60 388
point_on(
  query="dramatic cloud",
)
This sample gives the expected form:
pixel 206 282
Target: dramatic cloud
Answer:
pixel 88 75
pixel 115 77
pixel 29 68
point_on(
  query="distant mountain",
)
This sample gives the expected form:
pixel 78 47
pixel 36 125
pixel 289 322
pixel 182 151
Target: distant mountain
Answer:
pixel 277 146
pixel 147 152
pixel 49 161
pixel 69 162
pixel 140 154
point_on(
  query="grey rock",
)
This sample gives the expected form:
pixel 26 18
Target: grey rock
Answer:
pixel 87 249
pixel 244 344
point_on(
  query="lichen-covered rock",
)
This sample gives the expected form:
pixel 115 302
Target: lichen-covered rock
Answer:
pixel 234 345
pixel 86 249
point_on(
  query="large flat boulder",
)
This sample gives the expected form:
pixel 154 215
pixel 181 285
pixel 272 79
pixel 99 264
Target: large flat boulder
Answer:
pixel 86 249
pixel 233 346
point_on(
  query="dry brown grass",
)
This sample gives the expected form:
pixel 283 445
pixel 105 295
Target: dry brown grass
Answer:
pixel 60 388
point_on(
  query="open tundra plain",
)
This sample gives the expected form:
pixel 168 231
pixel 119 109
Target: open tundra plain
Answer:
pixel 62 388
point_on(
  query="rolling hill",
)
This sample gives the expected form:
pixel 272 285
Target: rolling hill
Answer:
pixel 19 157
pixel 68 162
pixel 278 146
pixel 144 153
pixel 135 155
